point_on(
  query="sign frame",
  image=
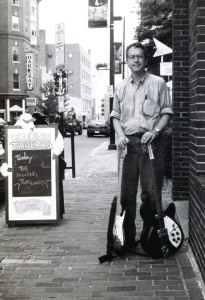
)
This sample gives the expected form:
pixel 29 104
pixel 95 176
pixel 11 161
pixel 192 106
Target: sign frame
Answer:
pixel 32 190
pixel 97 14
pixel 118 57
pixel 166 68
pixel 29 71
pixel 60 45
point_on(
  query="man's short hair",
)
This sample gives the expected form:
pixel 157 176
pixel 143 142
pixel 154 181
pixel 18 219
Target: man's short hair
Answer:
pixel 136 45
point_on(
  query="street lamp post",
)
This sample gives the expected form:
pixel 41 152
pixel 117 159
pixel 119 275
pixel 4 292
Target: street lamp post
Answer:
pixel 123 49
pixel 112 145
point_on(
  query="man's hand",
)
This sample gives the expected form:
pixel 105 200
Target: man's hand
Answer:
pixel 123 141
pixel 149 136
pixel 4 169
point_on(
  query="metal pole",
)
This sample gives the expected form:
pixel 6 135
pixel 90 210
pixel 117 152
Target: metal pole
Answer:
pixel 73 152
pixel 112 145
pixel 123 57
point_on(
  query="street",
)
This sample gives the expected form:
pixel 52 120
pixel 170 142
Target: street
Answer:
pixel 84 146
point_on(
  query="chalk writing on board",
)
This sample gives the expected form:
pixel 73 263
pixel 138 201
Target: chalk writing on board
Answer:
pixel 32 173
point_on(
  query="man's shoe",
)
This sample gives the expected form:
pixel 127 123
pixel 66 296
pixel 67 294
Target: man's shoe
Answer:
pixel 128 249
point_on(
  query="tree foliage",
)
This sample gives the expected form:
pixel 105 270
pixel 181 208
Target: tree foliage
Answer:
pixel 50 105
pixel 156 22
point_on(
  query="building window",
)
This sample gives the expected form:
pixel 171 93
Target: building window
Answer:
pixel 16 85
pixel 49 55
pixel 33 6
pixel 70 71
pixel 15 23
pixel 15 53
pixel 70 55
pixel 15 2
pixel 33 33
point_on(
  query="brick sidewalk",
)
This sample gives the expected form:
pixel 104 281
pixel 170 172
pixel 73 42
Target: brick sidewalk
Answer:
pixel 61 261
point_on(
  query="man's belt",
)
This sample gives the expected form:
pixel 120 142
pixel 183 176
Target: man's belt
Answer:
pixel 137 134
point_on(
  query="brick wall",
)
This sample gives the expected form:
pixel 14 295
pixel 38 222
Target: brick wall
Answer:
pixel 197 131
pixel 180 140
pixel 189 117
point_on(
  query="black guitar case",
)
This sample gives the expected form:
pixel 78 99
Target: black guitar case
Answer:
pixel 161 235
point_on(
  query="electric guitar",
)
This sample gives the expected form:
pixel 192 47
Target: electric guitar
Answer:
pixel 115 232
pixel 161 235
pixel 118 232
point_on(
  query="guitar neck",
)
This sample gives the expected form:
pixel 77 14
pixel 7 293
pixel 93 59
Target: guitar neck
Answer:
pixel 121 156
pixel 157 193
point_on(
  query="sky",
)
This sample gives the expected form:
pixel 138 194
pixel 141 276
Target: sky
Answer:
pixel 74 14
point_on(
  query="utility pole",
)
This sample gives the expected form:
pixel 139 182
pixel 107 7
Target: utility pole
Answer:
pixel 112 145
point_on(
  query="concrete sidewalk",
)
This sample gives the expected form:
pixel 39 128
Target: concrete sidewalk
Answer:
pixel 61 261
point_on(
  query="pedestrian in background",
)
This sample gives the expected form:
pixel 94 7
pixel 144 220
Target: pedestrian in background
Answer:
pixel 141 111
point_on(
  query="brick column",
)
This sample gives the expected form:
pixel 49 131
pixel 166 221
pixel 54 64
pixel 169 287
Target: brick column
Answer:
pixel 197 131
pixel 180 121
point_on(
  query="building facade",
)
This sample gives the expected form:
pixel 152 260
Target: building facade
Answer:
pixel 77 61
pixel 188 122
pixel 19 73
pixel 189 117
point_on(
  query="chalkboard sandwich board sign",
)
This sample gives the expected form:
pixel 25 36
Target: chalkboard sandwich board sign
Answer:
pixel 32 191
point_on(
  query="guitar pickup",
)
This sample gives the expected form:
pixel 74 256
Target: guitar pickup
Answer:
pixel 162 232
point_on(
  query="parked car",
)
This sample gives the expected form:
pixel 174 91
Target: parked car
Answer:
pixel 72 124
pixel 98 127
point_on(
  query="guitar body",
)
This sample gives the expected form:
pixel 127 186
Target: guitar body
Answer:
pixel 150 238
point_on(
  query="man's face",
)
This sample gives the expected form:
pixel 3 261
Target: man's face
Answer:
pixel 136 60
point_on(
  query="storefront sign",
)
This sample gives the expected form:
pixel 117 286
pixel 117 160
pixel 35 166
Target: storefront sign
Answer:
pixel 30 102
pixel 32 184
pixel 29 71
pixel 97 13
pixel 59 44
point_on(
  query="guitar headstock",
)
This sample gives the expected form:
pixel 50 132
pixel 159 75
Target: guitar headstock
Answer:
pixel 149 149
pixel 122 152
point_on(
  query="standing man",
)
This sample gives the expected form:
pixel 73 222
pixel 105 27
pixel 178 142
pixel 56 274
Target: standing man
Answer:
pixel 141 111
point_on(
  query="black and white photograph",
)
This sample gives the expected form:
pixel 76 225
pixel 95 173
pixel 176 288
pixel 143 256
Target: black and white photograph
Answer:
pixel 102 149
